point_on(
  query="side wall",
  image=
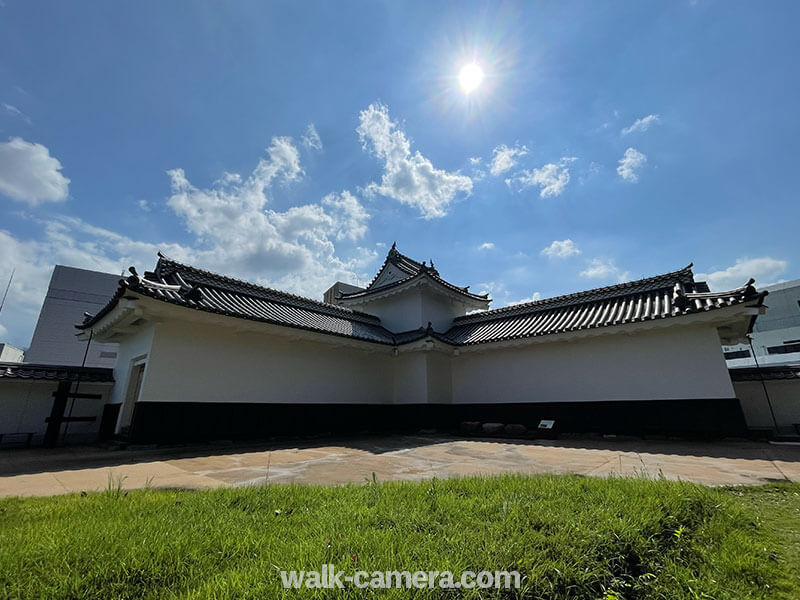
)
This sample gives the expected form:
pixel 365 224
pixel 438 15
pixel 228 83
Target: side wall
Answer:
pixel 25 404
pixel 193 362
pixel 665 364
pixel 206 381
pixel 784 396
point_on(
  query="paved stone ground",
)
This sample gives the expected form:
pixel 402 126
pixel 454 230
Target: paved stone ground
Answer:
pixel 42 472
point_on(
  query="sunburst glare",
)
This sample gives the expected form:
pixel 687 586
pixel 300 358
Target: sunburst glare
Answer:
pixel 470 77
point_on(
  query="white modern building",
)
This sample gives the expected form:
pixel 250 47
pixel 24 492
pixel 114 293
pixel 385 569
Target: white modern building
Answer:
pixel 766 374
pixel 205 356
pixel 776 334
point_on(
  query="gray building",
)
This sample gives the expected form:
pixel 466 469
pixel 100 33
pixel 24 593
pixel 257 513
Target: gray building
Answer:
pixel 776 333
pixel 71 293
pixel 10 354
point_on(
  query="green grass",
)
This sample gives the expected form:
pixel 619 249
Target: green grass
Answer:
pixel 570 537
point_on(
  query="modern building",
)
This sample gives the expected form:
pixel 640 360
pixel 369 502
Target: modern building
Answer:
pixel 766 374
pixel 776 334
pixel 206 356
pixel 58 392
pixel 11 354
pixel 72 292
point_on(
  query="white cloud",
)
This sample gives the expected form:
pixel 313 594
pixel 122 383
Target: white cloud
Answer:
pixel 233 232
pixel 501 296
pixel 532 298
pixel 14 111
pixel 641 125
pixel 486 246
pixel 408 178
pixel 65 241
pixel 561 249
pixel 552 178
pixel 29 174
pixel 311 138
pixel 764 270
pixel 349 216
pixel 475 160
pixel 631 161
pixel 293 249
pixel 504 158
pixel 604 268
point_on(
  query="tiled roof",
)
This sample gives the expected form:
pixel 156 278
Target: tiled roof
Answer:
pixel 663 296
pixel 195 288
pixel 407 265
pixel 767 372
pixel 55 372
pixel 414 270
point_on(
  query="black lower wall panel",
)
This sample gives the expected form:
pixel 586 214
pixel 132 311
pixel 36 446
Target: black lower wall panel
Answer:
pixel 165 422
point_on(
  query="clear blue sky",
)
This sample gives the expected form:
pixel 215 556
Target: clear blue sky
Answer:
pixel 291 143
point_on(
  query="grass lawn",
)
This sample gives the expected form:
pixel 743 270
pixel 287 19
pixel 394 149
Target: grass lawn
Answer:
pixel 568 536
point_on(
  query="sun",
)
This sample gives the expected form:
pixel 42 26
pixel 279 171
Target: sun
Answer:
pixel 470 77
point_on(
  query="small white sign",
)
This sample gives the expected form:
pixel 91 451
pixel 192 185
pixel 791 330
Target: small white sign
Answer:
pixel 546 424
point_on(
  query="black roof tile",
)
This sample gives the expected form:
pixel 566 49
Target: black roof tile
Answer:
pixel 55 372
pixel 669 295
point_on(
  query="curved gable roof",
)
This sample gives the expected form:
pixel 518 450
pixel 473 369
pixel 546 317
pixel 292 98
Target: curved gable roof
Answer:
pixel 669 295
pixel 413 271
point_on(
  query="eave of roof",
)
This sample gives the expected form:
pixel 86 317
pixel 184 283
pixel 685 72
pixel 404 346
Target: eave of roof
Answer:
pixel 32 371
pixel 683 275
pixel 767 372
pixel 189 287
pixel 663 296
pixel 167 266
pixel 668 295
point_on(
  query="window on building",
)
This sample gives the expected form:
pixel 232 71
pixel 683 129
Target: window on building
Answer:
pixel 737 354
pixel 785 349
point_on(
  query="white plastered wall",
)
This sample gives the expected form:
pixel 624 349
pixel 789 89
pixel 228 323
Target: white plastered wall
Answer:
pixel 207 361
pixel 414 308
pixel 784 395
pixel 25 404
pixel 664 364
pixel 197 362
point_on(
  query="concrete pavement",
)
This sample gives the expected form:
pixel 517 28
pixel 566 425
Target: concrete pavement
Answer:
pixel 43 472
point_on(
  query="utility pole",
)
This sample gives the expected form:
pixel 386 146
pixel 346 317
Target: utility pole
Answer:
pixel 8 287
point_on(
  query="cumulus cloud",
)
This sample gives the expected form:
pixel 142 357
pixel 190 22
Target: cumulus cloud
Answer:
pixel 293 249
pixel 408 178
pixel 630 163
pixel 311 138
pixel 604 268
pixel 504 158
pixel 66 241
pixel 532 298
pixel 486 246
pixel 561 249
pixel 764 270
pixel 641 125
pixel 349 216
pixel 29 174
pixel 233 231
pixel 502 296
pixel 551 179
